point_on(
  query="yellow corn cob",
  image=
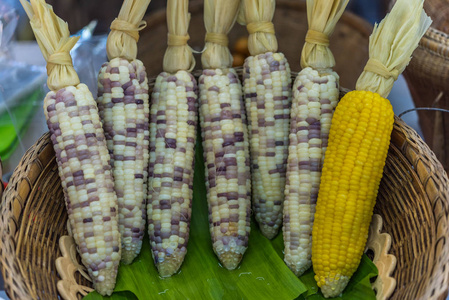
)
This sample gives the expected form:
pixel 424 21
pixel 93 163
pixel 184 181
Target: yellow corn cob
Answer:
pixel 172 145
pixel 124 111
pixel 267 92
pixel 226 158
pixel 86 177
pixel 314 98
pixel 358 146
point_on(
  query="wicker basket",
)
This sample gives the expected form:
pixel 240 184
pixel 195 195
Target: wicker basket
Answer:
pixel 1 176
pixel 33 217
pixel 428 80
pixel 427 76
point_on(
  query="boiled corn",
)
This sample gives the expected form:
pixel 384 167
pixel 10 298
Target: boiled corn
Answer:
pixel 80 149
pixel 315 95
pixel 86 177
pixel 227 163
pixel 358 146
pixel 124 111
pixel 314 98
pixel 173 128
pixel 267 92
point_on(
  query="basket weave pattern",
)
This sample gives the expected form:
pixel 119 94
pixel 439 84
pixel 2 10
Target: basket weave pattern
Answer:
pixel 1 176
pixel 33 218
pixel 413 201
pixel 428 79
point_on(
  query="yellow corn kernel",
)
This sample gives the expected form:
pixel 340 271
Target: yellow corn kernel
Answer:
pixel 353 167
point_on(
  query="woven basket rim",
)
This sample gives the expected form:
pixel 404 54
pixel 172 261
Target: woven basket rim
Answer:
pixel 436 42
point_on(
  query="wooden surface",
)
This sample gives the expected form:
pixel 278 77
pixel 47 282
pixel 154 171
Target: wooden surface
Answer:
pixel 32 219
pixel 413 198
pixel 68 266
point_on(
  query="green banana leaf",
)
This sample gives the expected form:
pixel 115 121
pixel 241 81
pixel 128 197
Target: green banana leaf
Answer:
pixel 358 288
pixel 261 275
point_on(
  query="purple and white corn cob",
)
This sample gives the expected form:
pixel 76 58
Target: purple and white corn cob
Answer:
pixel 227 162
pixel 267 91
pixel 124 111
pixel 86 177
pixel 315 97
pixel 173 129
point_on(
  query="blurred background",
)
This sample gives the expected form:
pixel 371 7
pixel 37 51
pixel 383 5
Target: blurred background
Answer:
pixel 78 13
pixel 23 73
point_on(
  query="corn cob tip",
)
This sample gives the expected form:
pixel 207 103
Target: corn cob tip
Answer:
pixel 127 257
pixel 269 232
pixel 130 251
pixel 230 250
pixel 332 287
pixel 104 280
pixel 230 259
pixel 297 267
pixel 171 264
